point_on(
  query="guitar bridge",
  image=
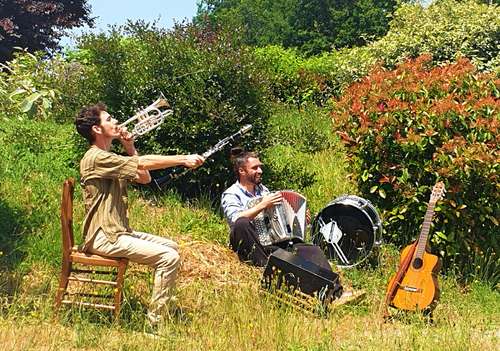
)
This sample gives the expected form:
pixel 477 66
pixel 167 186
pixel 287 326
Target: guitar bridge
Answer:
pixel 410 289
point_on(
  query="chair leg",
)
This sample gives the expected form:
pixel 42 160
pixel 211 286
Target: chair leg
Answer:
pixel 119 287
pixel 63 284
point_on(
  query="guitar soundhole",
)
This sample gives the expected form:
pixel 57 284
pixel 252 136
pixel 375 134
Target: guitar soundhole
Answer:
pixel 418 263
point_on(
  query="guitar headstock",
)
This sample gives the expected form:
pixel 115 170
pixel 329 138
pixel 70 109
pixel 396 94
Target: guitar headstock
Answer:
pixel 437 192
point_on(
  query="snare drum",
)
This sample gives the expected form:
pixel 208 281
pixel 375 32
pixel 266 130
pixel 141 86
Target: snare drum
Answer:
pixel 348 229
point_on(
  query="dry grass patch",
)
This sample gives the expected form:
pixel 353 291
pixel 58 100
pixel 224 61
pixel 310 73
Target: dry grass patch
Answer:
pixel 206 261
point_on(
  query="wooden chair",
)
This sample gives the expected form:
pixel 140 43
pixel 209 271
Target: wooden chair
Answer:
pixel 90 266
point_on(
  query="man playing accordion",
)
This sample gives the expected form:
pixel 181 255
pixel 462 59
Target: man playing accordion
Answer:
pixel 243 237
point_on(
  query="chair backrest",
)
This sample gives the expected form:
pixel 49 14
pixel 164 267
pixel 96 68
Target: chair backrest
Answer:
pixel 67 216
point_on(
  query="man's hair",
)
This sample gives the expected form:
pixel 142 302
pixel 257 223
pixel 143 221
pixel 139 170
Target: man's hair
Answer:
pixel 88 117
pixel 239 158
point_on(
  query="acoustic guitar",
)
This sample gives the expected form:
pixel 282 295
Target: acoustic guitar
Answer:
pixel 415 286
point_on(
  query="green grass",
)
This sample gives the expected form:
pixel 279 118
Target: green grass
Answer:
pixel 223 306
pixel 241 317
pixel 305 156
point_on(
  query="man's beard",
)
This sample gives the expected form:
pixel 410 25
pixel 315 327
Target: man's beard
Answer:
pixel 257 179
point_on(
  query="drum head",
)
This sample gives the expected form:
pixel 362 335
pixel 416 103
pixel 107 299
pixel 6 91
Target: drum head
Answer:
pixel 345 231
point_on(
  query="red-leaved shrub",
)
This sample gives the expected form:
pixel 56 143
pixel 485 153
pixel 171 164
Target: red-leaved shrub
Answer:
pixel 415 125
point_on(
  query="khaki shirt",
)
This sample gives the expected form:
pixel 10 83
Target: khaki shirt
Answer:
pixel 104 177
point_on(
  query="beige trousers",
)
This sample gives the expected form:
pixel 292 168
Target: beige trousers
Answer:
pixel 152 250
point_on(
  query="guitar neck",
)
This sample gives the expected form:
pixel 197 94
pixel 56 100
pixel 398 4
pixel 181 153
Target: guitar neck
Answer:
pixel 424 233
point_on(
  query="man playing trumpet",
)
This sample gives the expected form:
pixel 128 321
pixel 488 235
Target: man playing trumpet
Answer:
pixel 104 177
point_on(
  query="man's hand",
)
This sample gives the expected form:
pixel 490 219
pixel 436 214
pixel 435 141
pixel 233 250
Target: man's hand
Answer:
pixel 271 200
pixel 127 141
pixel 193 161
pixel 267 201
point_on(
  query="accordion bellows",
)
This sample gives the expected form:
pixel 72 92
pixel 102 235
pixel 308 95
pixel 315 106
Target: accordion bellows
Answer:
pixel 283 222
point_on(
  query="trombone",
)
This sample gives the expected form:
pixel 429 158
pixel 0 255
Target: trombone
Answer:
pixel 149 118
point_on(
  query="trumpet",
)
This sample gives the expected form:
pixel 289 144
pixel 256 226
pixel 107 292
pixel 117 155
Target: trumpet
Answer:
pixel 149 118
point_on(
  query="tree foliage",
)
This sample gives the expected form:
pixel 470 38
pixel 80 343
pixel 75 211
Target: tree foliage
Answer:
pixel 311 25
pixel 447 29
pixel 38 25
pixel 264 21
pixel 490 2
pixel 325 24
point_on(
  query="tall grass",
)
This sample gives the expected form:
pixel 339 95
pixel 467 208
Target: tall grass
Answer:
pixel 242 318
pixel 304 155
pixel 36 157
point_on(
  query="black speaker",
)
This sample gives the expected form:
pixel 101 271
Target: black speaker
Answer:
pixel 311 253
pixel 305 268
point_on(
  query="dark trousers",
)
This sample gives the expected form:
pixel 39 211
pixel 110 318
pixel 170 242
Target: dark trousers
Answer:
pixel 245 241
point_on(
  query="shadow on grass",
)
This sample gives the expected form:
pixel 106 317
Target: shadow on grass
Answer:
pixel 12 247
pixel 132 318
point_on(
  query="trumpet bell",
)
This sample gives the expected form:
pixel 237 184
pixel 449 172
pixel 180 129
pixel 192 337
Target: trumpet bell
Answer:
pixel 153 120
pixel 149 118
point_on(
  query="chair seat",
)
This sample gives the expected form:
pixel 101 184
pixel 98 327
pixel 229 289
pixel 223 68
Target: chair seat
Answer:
pixel 98 260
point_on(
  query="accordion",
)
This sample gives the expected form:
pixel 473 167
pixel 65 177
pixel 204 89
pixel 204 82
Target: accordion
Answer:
pixel 283 222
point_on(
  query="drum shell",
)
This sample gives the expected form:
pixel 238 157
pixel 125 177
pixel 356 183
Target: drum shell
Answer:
pixel 352 214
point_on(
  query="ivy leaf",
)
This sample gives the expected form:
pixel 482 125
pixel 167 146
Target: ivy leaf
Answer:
pixel 46 103
pixel 441 235
pixel 365 175
pixel 382 194
pixel 16 92
pixel 27 103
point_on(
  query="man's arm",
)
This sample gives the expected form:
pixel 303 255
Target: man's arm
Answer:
pixel 127 141
pixel 152 162
pixel 233 208
pixel 267 201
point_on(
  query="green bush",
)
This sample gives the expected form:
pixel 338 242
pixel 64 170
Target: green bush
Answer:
pixel 445 29
pixel 36 157
pixel 304 156
pixel 35 87
pixel 282 66
pixel 415 125
pixel 21 93
pixel 299 80
pixel 339 69
pixel 287 168
pixel 209 79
